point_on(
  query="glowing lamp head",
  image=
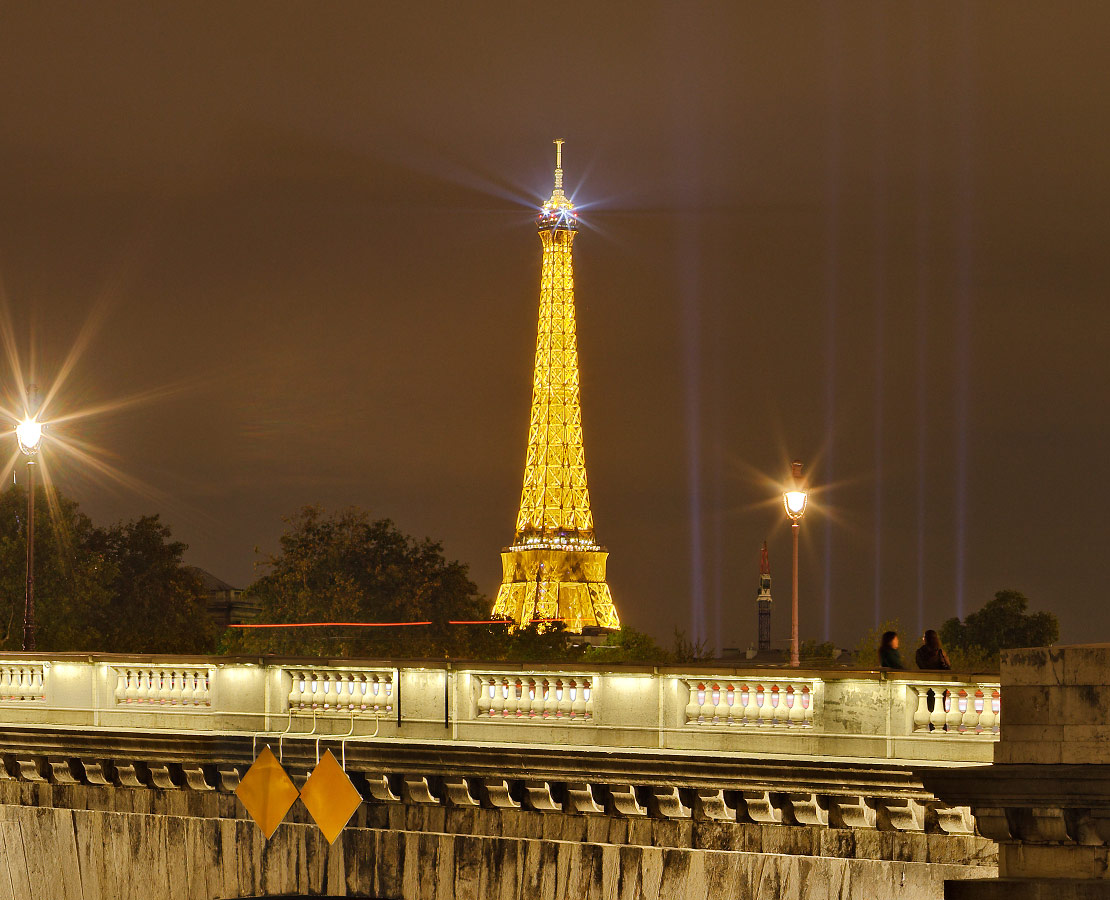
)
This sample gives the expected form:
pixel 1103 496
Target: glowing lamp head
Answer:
pixel 795 503
pixel 29 434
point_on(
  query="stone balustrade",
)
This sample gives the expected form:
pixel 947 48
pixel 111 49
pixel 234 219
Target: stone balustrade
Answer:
pixel 770 701
pixel 831 713
pixel 552 698
pixel 21 683
pixel 158 685
pixel 358 691
pixel 957 709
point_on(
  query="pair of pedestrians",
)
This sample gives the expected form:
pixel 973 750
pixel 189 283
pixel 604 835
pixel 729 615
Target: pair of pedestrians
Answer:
pixel 930 655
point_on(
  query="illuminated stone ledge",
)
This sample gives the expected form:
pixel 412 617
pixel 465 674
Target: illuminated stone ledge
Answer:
pixel 773 711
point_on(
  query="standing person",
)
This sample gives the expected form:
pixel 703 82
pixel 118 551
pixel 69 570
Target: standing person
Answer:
pixel 889 657
pixel 931 655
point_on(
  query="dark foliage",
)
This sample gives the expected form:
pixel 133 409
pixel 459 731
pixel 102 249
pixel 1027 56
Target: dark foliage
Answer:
pixel 1001 624
pixel 117 589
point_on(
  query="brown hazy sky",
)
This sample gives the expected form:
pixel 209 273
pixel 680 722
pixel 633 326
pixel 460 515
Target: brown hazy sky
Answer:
pixel 872 236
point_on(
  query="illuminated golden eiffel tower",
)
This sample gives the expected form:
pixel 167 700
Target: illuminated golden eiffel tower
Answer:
pixel 555 569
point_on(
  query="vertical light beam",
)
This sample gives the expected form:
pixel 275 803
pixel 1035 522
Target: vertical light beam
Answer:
pixel 834 49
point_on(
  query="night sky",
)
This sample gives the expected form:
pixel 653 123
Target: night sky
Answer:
pixel 873 237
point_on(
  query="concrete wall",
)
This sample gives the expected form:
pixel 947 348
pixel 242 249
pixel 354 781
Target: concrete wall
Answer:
pixel 80 842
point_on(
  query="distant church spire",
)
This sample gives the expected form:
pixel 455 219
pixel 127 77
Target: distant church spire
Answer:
pixel 763 599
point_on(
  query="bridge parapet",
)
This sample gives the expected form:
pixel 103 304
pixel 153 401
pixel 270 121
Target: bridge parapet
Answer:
pixel 931 717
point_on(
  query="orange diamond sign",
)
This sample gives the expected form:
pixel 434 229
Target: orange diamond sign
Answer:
pixel 330 797
pixel 266 792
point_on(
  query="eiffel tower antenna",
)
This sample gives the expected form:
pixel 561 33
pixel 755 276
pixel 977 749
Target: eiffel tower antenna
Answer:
pixel 555 568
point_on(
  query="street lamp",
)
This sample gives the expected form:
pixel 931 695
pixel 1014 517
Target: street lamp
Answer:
pixel 795 503
pixel 29 434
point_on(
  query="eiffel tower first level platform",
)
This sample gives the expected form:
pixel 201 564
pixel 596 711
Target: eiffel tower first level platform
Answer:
pixel 555 570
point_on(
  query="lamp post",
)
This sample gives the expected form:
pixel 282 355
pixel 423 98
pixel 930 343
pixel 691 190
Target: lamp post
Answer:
pixel 795 503
pixel 29 434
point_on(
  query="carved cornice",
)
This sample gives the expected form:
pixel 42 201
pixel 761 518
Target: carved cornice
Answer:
pixel 577 781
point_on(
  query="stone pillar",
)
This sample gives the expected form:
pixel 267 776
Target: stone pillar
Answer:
pixel 1046 799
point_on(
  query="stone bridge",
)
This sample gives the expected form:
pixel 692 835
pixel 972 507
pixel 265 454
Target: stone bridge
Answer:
pixel 487 781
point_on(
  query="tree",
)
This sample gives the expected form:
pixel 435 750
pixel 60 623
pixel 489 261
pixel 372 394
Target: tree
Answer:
pixel 155 604
pixel 119 589
pixel 686 650
pixel 346 567
pixel 813 650
pixel 1001 624
pixel 628 645
pixel 70 578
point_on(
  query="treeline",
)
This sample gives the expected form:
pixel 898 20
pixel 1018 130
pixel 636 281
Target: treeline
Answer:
pixel 124 588
pixel 121 588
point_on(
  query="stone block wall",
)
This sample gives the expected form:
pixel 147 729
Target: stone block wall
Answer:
pixel 91 842
pixel 1057 706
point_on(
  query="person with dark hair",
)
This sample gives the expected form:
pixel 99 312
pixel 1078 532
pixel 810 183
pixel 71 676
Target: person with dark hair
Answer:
pixel 889 657
pixel 931 655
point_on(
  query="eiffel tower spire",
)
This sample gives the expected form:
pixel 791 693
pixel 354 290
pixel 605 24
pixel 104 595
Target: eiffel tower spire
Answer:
pixel 555 568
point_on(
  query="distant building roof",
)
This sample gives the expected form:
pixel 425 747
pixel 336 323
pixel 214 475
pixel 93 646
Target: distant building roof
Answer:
pixel 210 581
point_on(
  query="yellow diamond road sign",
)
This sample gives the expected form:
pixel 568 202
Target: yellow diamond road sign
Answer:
pixel 266 792
pixel 330 797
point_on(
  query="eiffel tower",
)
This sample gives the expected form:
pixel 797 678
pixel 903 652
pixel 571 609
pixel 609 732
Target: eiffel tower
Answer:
pixel 555 569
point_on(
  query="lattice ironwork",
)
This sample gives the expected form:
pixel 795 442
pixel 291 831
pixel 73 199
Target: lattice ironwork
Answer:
pixel 555 568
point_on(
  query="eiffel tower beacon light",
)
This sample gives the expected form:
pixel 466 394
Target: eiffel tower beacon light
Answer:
pixel 555 569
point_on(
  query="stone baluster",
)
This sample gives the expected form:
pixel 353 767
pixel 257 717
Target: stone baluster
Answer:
pixel 578 698
pixel 173 684
pixel 941 699
pixel 730 702
pixel 792 701
pixel 142 685
pixel 776 701
pixel 485 695
pixel 747 698
pixel 588 699
pixel 536 707
pixel 517 702
pixel 761 706
pixel 954 715
pixel 547 707
pixel 971 714
pixel 693 707
pixel 188 688
pixel 921 714
pixel 296 690
pixel 715 703
pixel 561 703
